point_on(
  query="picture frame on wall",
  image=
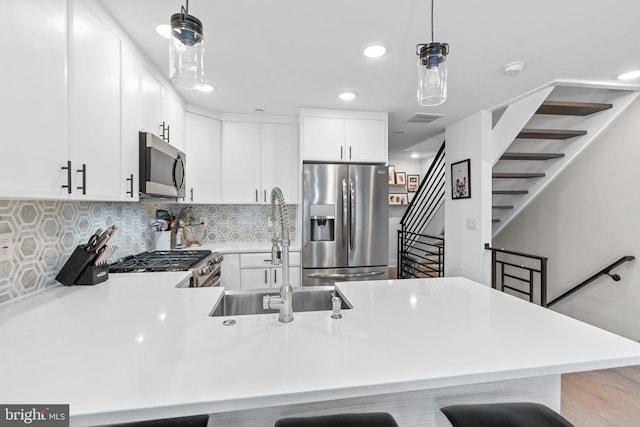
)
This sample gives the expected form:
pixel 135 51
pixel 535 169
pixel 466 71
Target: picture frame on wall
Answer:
pixel 461 180
pixel 398 199
pixel 413 183
pixel 392 175
pixel 401 178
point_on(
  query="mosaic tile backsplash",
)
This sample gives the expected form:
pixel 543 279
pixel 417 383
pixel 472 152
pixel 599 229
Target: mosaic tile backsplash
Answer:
pixel 46 232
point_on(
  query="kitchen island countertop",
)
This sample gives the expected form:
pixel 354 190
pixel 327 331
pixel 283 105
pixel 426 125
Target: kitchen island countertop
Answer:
pixel 137 347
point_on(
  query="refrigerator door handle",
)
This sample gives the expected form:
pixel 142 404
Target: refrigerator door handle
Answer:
pixel 345 212
pixel 352 216
pixel 344 275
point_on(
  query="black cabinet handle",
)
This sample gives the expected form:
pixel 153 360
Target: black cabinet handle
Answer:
pixel 341 149
pixel 164 132
pixel 68 169
pixel 265 277
pixel 192 194
pixel 275 277
pixel 130 192
pixel 83 187
pixel 349 152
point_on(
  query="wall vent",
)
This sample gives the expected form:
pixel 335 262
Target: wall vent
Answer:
pixel 424 118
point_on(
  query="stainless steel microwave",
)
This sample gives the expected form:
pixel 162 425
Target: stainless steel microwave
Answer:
pixel 162 168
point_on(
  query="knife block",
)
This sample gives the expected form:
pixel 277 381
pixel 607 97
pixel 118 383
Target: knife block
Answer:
pixel 93 274
pixel 78 262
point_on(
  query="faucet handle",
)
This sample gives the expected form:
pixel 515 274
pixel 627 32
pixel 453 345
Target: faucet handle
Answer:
pixel 336 304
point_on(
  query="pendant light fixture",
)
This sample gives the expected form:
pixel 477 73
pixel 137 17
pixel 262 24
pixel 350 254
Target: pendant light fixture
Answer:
pixel 186 50
pixel 432 71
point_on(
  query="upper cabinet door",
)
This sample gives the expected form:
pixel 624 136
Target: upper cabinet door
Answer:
pixel 280 160
pixel 174 116
pixel 203 159
pixel 366 140
pixel 33 99
pixel 94 106
pixel 241 154
pixel 130 125
pixel 323 139
pixel 151 105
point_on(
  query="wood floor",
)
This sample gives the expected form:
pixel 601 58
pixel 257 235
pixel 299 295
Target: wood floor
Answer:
pixel 607 398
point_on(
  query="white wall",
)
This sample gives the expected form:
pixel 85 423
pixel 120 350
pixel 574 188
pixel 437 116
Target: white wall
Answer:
pixel 588 217
pixel 411 167
pixel 464 247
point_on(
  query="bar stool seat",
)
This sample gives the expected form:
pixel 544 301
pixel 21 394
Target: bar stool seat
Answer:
pixel 373 419
pixel 519 414
pixel 192 421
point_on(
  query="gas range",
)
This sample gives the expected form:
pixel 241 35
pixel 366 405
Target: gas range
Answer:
pixel 203 264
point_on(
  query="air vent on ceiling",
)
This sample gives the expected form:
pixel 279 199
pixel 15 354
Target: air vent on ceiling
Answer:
pixel 424 118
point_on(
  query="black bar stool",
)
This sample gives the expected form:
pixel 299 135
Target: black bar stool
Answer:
pixel 520 414
pixel 373 419
pixel 193 421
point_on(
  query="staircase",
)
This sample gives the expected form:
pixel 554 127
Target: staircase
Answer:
pixel 561 122
pixel 421 254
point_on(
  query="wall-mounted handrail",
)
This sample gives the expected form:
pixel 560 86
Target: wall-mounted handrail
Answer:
pixel 530 272
pixel 605 271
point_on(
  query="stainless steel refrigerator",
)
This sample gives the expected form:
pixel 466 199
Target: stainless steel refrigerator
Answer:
pixel 345 230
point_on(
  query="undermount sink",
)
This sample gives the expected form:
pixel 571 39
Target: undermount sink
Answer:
pixel 239 303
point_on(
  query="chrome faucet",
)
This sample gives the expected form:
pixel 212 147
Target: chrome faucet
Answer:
pixel 280 255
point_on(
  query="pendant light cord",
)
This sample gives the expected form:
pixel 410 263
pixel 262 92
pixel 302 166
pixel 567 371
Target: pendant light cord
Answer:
pixel 431 19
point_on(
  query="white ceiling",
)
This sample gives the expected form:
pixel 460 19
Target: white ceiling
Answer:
pixel 280 55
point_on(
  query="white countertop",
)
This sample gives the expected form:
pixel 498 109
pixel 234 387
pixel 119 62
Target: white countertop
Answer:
pixel 137 347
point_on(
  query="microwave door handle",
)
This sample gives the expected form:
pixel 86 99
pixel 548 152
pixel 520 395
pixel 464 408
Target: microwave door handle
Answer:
pixel 345 212
pixel 177 184
pixel 352 216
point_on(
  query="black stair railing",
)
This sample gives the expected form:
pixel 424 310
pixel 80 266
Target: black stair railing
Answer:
pixel 519 272
pixel 420 255
pixel 604 272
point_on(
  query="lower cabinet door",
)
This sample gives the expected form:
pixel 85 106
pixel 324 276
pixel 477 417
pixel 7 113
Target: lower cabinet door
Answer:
pixel 255 278
pixel 294 277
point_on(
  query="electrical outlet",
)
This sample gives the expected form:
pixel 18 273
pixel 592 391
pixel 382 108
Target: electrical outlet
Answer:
pixel 471 223
pixel 6 247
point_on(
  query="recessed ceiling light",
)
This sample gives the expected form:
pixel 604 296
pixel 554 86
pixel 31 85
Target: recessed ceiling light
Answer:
pixel 374 50
pixel 347 96
pixel 631 75
pixel 164 30
pixel 415 155
pixel 205 88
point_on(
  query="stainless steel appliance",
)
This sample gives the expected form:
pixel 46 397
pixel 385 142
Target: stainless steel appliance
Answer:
pixel 162 168
pixel 345 229
pixel 205 266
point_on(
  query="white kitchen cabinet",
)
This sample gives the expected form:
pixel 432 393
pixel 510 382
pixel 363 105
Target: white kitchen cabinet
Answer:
pixel 94 107
pixel 151 106
pixel 280 161
pixel 130 124
pixel 241 154
pixel 33 99
pixel 257 271
pixel 230 271
pixel 344 136
pixel 257 157
pixel 173 115
pixel 204 166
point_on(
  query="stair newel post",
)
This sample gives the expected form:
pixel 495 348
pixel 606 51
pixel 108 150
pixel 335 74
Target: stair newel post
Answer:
pixel 400 247
pixel 543 282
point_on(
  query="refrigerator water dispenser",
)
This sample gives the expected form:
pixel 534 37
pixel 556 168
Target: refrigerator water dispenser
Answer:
pixel 323 222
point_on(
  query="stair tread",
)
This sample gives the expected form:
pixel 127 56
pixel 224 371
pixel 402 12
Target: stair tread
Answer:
pixel 570 108
pixel 502 207
pixel 549 133
pixel 517 175
pixel 510 192
pixel 530 156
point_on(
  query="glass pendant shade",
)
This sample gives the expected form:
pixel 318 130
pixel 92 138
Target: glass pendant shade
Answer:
pixel 432 74
pixel 186 51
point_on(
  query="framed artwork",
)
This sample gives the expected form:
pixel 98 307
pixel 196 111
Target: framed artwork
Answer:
pixel 461 179
pixel 401 178
pixel 392 175
pixel 398 199
pixel 413 182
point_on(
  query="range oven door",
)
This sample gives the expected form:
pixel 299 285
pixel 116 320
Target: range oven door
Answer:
pixel 162 168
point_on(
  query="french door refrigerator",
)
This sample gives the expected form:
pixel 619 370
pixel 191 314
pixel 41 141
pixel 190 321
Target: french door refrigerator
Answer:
pixel 345 230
